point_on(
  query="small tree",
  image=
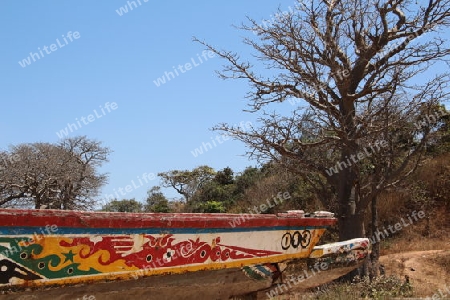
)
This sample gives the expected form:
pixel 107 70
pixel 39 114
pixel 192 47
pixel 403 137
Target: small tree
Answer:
pixel 156 201
pixel 187 182
pixel 225 176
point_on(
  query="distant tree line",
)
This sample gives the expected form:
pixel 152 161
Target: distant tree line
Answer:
pixel 65 176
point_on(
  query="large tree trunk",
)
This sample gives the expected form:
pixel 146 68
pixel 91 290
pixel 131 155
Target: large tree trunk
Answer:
pixel 351 226
pixel 37 202
pixel 375 253
pixel 351 216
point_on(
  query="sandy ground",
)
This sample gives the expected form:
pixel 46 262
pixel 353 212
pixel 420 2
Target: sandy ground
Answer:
pixel 426 275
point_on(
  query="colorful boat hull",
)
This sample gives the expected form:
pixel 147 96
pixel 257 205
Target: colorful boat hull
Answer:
pixel 52 247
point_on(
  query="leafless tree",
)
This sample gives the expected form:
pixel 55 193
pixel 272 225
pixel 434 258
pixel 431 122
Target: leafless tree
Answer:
pixel 58 176
pixel 357 76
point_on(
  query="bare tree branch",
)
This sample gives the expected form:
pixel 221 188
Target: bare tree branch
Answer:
pixel 354 66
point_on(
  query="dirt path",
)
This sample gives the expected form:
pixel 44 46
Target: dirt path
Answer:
pixel 424 269
pixel 428 272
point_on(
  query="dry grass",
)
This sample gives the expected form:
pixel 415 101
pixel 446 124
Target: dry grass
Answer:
pixel 417 244
pixel 380 288
pixel 431 233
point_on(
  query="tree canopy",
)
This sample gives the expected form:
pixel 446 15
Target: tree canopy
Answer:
pixel 187 182
pixel 156 201
pixel 59 176
pixel 350 70
pixel 124 205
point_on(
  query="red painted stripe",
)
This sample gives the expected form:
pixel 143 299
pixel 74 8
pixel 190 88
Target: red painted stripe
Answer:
pixel 83 219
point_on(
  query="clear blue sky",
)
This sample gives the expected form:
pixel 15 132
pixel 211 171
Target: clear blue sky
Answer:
pixel 100 53
pixel 116 59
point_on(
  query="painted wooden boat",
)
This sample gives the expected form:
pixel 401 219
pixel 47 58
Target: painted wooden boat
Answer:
pixel 42 248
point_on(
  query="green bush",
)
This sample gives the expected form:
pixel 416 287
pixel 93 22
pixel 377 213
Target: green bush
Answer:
pixel 211 207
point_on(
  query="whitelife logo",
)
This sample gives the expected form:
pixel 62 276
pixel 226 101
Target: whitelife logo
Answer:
pixel 355 158
pixel 49 230
pixel 169 75
pixel 205 146
pixel 124 9
pixel 105 109
pixel 122 191
pixel 48 50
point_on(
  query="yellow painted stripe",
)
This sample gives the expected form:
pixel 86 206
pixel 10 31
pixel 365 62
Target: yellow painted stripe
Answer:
pixel 131 274
pixel 316 253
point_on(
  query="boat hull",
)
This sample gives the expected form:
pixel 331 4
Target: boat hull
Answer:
pixel 216 284
pixel 55 248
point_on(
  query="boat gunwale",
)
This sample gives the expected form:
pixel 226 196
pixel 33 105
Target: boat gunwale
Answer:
pixel 87 219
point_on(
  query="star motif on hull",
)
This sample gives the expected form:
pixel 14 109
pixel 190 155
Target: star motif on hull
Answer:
pixel 68 256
